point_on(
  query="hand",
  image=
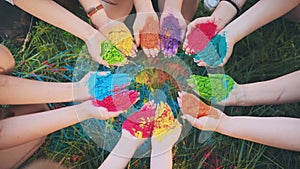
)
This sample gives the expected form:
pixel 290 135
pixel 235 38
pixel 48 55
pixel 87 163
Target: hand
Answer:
pixel 145 29
pixel 119 101
pixel 208 119
pixel 172 30
pixel 168 140
pixel 217 52
pixel 200 32
pixel 120 36
pixel 103 84
pixel 215 88
pixel 191 105
pixel 93 45
pixel 101 113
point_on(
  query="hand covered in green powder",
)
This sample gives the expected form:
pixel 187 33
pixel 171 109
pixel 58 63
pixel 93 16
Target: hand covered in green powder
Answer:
pixel 217 88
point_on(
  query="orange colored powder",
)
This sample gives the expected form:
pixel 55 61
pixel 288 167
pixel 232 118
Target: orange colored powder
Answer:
pixel 149 35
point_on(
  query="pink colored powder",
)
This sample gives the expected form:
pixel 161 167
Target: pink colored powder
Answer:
pixel 120 101
pixel 201 35
pixel 140 124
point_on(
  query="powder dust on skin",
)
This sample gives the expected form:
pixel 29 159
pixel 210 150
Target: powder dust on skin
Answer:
pixel 214 52
pixel 195 107
pixel 150 121
pixel 102 86
pixel 140 124
pixel 149 35
pixel 170 35
pixel 119 101
pixel 121 38
pixel 111 54
pixel 201 35
pixel 214 88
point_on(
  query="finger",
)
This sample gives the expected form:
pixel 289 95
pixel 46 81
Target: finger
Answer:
pixel 156 51
pixel 137 38
pixel 151 51
pixel 147 52
pixel 103 73
pixel 187 50
pixel 179 101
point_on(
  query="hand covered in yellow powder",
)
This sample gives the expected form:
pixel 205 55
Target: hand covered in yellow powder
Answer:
pixel 120 36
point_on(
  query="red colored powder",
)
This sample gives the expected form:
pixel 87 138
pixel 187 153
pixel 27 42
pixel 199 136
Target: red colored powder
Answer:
pixel 149 35
pixel 120 101
pixel 140 124
pixel 201 35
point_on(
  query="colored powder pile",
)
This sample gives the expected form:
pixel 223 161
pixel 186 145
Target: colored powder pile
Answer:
pixel 140 124
pixel 101 86
pixel 149 38
pixel 214 52
pixel 164 121
pixel 111 54
pixel 195 107
pixel 201 35
pixel 170 35
pixel 214 88
pixel 122 39
pixel 119 101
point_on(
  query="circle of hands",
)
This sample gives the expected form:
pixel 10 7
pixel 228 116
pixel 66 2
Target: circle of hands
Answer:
pixel 166 35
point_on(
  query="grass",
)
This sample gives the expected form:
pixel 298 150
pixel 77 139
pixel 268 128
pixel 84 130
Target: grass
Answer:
pixel 272 51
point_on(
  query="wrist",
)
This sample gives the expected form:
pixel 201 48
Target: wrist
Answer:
pixel 99 19
pixel 143 6
pixel 171 6
pixel 81 112
pixel 224 121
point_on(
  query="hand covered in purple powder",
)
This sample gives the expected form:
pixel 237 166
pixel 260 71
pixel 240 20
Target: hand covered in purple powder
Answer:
pixel 172 29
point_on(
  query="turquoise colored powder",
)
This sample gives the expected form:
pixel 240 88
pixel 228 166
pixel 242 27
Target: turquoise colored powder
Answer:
pixel 215 51
pixel 101 86
pixel 111 54
pixel 214 88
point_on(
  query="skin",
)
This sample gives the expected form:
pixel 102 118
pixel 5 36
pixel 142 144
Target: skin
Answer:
pixel 263 130
pixel 15 146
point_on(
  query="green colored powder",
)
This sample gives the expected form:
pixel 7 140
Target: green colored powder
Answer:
pixel 111 54
pixel 214 88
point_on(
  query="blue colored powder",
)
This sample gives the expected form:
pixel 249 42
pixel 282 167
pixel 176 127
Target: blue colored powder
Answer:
pixel 101 86
pixel 215 51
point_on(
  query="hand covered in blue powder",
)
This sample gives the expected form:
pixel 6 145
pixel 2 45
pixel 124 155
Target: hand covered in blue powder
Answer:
pixel 217 52
pixel 172 29
pixel 103 84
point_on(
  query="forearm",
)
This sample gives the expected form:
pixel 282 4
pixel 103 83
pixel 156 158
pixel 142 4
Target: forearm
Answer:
pixel 278 132
pixel 143 6
pixel 263 12
pixel 163 160
pixel 173 5
pixel 100 17
pixel 284 89
pixel 15 90
pixel 58 16
pixel 21 129
pixel 121 154
pixel 225 11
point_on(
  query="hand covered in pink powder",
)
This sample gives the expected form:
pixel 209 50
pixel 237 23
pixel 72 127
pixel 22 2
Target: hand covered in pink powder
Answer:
pixel 172 30
pixel 168 140
pixel 93 46
pixel 88 109
pixel 146 29
pixel 222 50
pixel 199 33
pixel 120 36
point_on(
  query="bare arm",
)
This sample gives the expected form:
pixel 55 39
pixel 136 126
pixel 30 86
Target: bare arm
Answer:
pixel 171 5
pixel 284 89
pixel 58 16
pixel 263 12
pixel 21 129
pixel 280 132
